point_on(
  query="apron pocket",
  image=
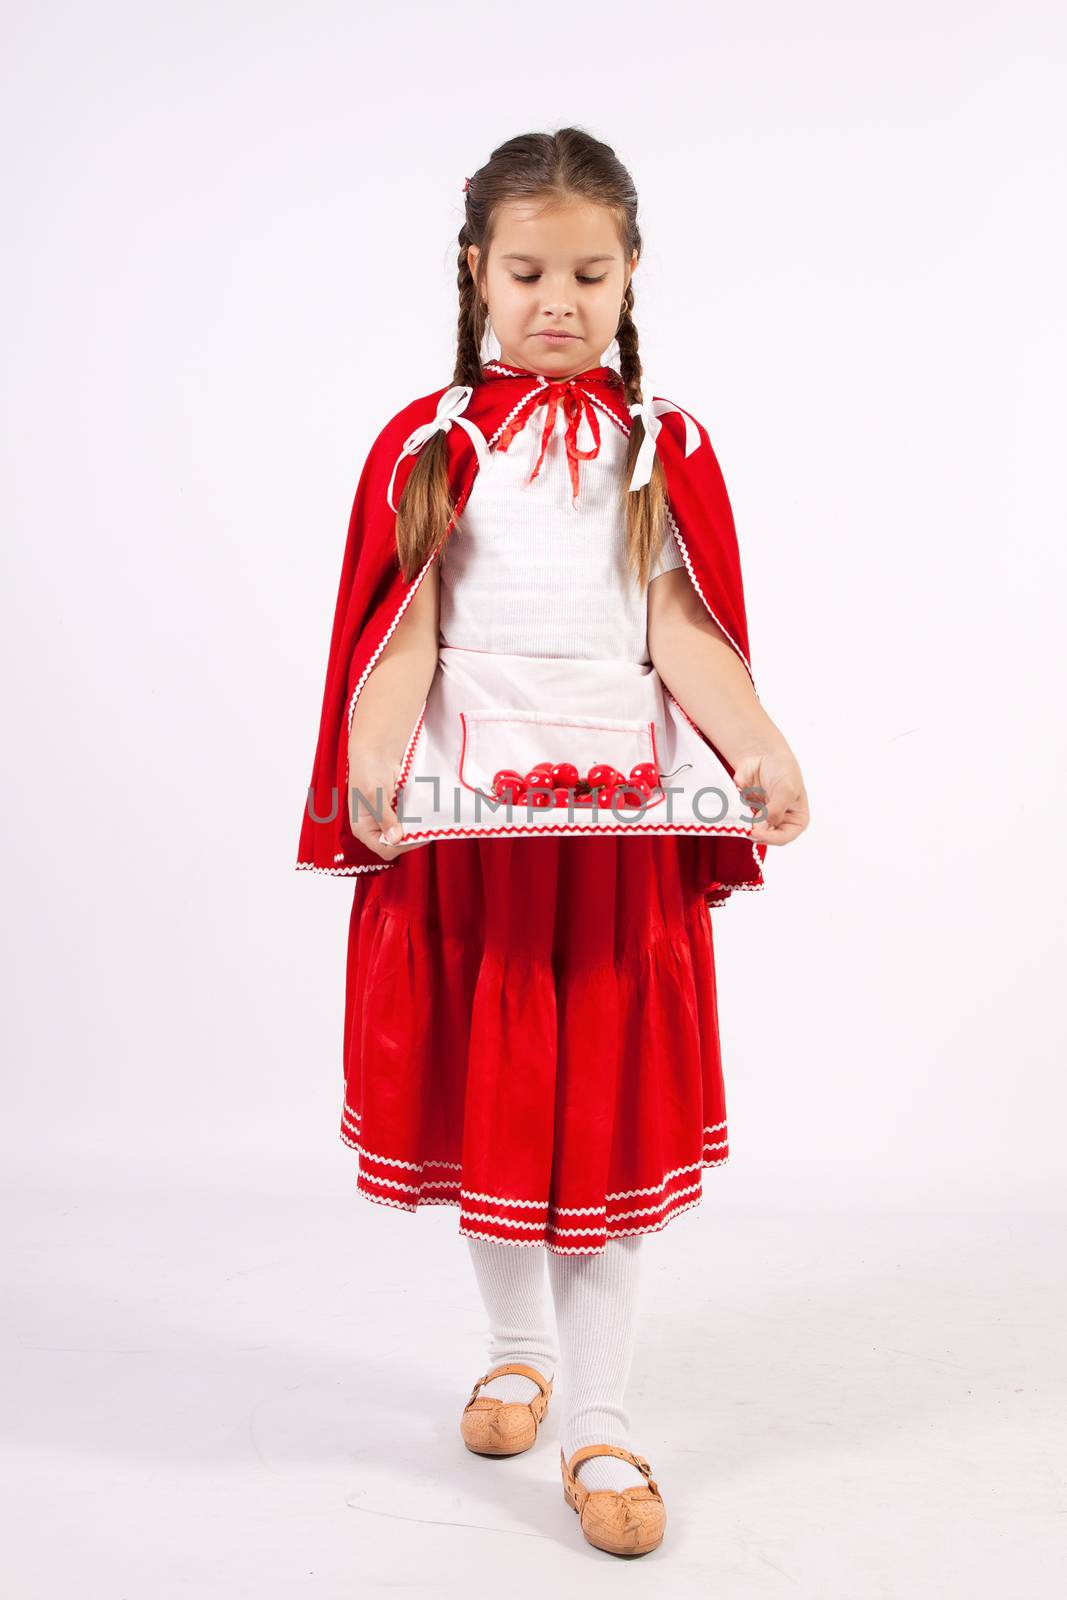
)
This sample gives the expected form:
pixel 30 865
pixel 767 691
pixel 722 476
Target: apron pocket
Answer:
pixel 516 740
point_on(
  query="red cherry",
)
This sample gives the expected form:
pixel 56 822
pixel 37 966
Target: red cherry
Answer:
pixel 561 795
pixel 603 774
pixel 539 777
pixel 645 770
pixel 507 781
pixel 628 794
pixel 539 798
pixel 541 766
pixel 565 773
pixel 583 797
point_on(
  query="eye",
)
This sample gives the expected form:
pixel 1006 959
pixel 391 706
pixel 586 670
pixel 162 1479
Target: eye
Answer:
pixel 533 277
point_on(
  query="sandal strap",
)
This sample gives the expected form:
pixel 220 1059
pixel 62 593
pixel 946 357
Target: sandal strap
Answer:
pixel 583 1454
pixel 588 1450
pixel 519 1367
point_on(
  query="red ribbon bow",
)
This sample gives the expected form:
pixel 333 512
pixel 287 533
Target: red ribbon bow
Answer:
pixel 575 402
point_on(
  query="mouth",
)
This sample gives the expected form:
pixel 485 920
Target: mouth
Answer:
pixel 555 337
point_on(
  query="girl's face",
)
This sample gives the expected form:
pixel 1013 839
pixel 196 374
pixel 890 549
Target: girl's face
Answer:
pixel 554 267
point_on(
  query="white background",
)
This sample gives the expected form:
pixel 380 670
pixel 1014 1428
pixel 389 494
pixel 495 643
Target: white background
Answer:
pixel 230 259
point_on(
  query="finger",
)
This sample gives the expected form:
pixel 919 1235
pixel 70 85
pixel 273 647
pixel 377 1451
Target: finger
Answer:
pixel 373 814
pixel 782 833
pixel 782 805
pixel 372 838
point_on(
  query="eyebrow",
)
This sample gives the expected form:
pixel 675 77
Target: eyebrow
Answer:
pixel 583 261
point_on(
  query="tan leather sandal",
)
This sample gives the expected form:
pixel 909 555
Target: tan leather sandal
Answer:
pixel 624 1522
pixel 494 1427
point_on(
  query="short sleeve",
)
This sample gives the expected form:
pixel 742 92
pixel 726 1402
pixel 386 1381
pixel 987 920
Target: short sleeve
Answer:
pixel 669 557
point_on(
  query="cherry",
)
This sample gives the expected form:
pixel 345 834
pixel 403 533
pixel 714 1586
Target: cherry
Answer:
pixel 565 773
pixel 629 794
pixel 508 781
pixel 645 770
pixel 602 774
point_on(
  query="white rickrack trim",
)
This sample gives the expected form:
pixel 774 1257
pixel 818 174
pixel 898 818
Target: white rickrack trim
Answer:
pixel 508 1202
pixel 494 1238
pixel 735 888
pixel 365 1177
pixel 340 872
pixel 575 830
pixel 368 669
pixel 409 748
pixel 585 1211
pixel 502 1222
pixel 672 1211
pixel 537 389
pixel 409 1166
pixel 665 1204
pixel 500 366
pixel 624 1233
pixel 696 585
pixel 536 1205
pixel 410 1188
pixel 382 866
pixel 580 1250
pixel 603 406
pixel 632 1194
pixel 384 1200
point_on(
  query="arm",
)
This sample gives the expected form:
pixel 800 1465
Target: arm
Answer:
pixel 706 675
pixel 388 706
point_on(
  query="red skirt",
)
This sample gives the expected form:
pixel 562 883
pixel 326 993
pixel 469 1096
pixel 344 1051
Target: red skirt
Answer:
pixel 531 1034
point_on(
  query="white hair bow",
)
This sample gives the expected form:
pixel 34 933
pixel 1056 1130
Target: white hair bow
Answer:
pixel 449 407
pixel 650 412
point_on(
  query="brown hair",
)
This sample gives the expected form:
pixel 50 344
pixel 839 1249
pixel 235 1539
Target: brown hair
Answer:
pixel 556 166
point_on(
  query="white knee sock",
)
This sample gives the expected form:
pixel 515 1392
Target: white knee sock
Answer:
pixel 596 1315
pixel 511 1279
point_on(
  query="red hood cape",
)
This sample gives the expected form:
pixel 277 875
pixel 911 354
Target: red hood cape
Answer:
pixel 373 595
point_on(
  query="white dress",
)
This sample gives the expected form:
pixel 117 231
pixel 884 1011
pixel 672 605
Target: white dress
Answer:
pixel 543 656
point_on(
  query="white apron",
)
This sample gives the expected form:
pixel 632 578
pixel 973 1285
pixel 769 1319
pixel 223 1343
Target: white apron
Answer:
pixel 487 712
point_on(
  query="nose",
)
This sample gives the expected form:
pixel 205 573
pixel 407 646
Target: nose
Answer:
pixel 556 305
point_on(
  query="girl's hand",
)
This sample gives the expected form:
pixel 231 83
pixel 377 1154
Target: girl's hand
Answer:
pixel 372 779
pixel 771 779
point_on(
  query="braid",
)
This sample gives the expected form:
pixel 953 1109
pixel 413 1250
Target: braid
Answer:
pixel 426 508
pixel 629 359
pixel 472 317
pixel 646 507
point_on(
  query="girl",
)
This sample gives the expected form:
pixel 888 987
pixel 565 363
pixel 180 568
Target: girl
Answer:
pixel 541 622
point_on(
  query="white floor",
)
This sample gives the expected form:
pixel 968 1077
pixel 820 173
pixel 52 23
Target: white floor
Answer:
pixel 233 1382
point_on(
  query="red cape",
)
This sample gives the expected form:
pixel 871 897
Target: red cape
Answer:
pixel 373 595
